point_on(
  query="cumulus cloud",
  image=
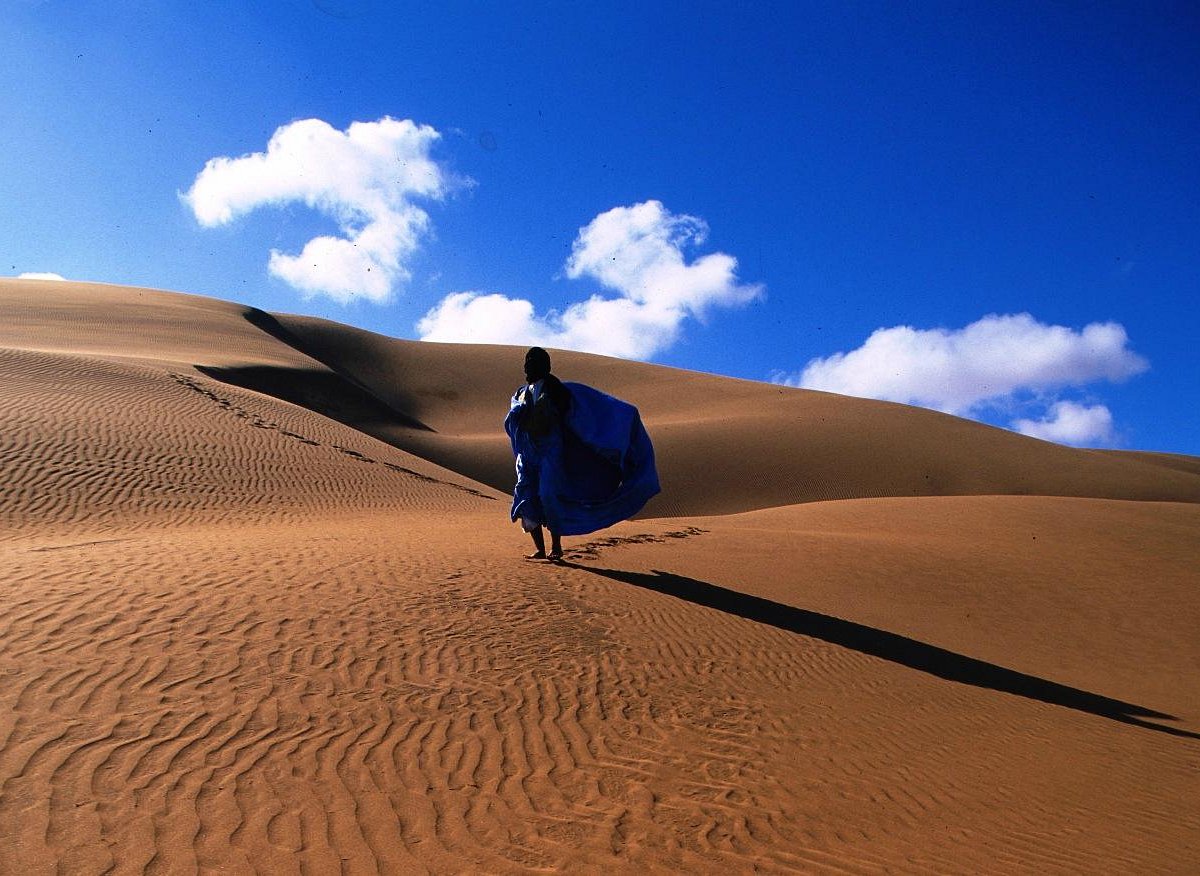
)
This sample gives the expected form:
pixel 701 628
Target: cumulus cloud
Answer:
pixel 40 275
pixel 957 370
pixel 999 363
pixel 1068 422
pixel 365 178
pixel 635 252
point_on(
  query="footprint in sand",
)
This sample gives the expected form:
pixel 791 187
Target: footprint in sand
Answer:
pixel 260 423
pixel 591 550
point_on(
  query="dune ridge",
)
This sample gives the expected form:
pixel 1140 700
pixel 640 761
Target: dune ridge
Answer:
pixel 775 445
pixel 263 612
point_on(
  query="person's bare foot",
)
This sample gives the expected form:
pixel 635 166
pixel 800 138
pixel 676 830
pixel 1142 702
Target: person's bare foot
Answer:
pixel 555 556
pixel 537 555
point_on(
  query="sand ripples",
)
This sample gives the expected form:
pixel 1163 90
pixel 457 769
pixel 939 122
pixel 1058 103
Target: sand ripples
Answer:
pixel 411 721
pixel 336 704
pixel 238 635
pixel 92 444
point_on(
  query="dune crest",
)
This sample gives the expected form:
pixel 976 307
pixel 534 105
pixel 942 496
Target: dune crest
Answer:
pixel 725 445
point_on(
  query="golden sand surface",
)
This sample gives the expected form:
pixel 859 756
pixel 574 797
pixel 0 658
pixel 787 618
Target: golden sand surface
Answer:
pixel 263 611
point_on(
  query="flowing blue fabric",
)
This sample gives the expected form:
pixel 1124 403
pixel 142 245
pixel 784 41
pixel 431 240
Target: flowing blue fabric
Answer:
pixel 594 468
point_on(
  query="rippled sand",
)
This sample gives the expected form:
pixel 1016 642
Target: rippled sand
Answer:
pixel 263 612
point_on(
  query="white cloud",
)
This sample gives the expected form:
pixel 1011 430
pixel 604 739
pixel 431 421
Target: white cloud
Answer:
pixel 636 252
pixel 39 275
pixel 1003 363
pixel 1068 422
pixel 363 177
pixel 988 361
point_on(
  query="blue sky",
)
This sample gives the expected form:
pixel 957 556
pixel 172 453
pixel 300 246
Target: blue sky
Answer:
pixel 993 212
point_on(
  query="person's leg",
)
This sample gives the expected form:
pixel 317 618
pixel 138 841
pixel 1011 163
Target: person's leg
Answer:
pixel 555 546
pixel 539 542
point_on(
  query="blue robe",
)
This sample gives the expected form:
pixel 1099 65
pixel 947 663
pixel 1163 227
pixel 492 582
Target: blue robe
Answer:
pixel 594 468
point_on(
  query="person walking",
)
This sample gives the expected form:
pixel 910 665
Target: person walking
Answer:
pixel 584 461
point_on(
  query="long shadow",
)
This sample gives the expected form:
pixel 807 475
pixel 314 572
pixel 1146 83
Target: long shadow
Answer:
pixel 890 646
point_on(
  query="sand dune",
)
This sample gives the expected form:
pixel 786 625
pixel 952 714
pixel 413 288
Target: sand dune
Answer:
pixel 726 445
pixel 263 613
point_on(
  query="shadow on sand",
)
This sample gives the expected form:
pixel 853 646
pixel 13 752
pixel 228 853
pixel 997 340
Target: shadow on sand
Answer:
pixel 324 392
pixel 890 646
pixel 327 392
pixel 333 393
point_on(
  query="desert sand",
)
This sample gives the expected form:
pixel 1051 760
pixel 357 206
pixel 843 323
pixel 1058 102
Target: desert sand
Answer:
pixel 263 611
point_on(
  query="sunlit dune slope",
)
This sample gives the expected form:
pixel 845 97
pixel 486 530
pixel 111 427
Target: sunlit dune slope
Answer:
pixel 723 445
pixel 263 612
pixel 107 424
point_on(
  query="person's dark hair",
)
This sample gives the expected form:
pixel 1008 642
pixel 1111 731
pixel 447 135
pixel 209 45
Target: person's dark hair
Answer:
pixel 537 367
pixel 537 364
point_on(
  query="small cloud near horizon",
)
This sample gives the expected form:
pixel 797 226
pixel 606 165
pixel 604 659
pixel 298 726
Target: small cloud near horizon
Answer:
pixel 40 275
pixel 992 363
pixel 636 252
pixel 365 178
pixel 1068 422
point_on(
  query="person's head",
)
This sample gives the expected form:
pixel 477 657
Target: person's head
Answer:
pixel 537 364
